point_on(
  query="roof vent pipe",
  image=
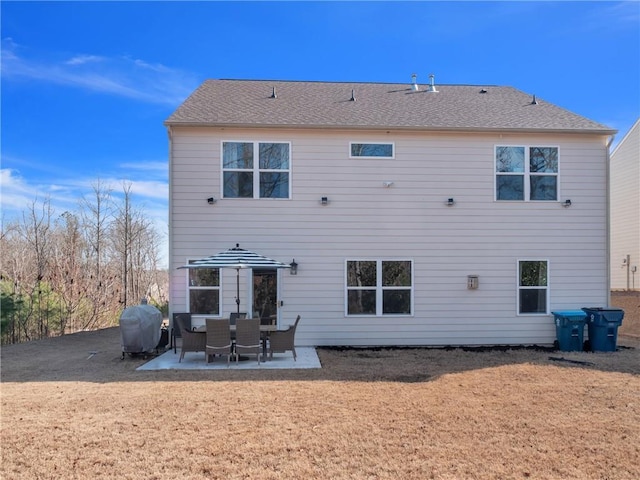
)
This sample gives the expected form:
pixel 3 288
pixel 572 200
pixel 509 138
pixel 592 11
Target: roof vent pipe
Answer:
pixel 534 101
pixel 414 82
pixel 432 84
pixel 353 95
pixel 273 93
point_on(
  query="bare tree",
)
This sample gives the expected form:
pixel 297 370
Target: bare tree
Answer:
pixel 67 267
pixel 122 240
pixel 144 257
pixel 134 245
pixel 35 231
pixel 96 214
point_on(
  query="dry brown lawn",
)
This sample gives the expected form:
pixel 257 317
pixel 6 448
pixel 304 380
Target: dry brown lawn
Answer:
pixel 367 414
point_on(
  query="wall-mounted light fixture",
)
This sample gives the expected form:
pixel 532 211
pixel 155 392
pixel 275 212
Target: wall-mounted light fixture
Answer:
pixel 324 201
pixel 387 184
pixel 450 202
pixel 294 267
pixel 211 200
pixel 567 203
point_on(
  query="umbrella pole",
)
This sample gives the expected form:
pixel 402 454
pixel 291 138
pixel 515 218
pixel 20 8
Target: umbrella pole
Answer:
pixel 238 289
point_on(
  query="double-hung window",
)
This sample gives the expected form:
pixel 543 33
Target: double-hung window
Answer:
pixel 371 150
pixel 526 173
pixel 204 291
pixel 379 287
pixel 533 287
pixel 256 170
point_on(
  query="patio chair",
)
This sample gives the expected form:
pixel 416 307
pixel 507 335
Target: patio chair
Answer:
pixel 248 337
pixel 218 338
pixel 233 317
pixel 281 341
pixel 191 341
pixel 175 328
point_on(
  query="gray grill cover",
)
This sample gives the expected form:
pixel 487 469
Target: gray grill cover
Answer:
pixel 140 328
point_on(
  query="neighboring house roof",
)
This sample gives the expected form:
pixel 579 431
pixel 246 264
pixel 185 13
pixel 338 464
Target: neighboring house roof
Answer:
pixel 634 130
pixel 376 105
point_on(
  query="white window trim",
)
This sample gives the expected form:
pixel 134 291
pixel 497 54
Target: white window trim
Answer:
pixel 518 287
pixel 527 175
pixel 256 170
pixel 393 150
pixel 378 287
pixel 189 288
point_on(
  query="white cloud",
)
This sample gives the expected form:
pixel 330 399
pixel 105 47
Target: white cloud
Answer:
pixel 159 168
pixel 82 59
pixel 120 75
pixel 15 192
pixel 622 13
pixel 18 194
pixel 149 189
pixel 606 17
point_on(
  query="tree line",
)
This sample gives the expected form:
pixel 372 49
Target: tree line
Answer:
pixel 77 270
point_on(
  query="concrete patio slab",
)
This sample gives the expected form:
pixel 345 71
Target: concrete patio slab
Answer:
pixel 307 358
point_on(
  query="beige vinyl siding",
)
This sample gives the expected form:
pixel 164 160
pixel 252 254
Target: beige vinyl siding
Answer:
pixel 408 220
pixel 625 211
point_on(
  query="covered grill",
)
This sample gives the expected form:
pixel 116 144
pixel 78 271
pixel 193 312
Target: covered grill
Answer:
pixel 140 329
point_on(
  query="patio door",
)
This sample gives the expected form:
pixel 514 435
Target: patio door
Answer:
pixel 265 293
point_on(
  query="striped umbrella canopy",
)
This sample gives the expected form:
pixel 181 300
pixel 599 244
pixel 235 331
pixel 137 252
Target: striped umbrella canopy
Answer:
pixel 236 258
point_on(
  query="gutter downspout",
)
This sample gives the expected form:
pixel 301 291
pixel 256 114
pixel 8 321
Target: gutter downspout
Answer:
pixel 608 212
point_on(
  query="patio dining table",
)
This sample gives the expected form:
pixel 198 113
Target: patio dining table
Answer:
pixel 265 330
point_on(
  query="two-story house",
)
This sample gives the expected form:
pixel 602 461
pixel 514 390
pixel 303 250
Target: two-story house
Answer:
pixel 416 214
pixel 625 212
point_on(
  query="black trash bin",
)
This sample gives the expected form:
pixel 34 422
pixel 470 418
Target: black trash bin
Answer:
pixel 570 329
pixel 602 326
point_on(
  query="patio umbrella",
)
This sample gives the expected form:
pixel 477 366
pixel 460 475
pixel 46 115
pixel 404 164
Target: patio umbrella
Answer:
pixel 237 258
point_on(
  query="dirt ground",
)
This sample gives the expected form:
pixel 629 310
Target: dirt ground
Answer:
pixel 72 409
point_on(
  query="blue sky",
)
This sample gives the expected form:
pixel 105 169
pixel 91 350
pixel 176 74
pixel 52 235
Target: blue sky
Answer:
pixel 86 86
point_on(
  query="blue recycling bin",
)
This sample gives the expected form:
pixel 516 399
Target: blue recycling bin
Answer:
pixel 602 326
pixel 570 329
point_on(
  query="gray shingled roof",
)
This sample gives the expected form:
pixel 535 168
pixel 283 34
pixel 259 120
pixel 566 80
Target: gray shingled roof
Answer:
pixel 376 105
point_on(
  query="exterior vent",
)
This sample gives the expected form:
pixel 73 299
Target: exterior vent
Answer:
pixel 432 84
pixel 414 82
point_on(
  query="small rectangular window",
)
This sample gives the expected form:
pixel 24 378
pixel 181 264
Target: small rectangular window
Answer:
pixel 533 287
pixel 371 150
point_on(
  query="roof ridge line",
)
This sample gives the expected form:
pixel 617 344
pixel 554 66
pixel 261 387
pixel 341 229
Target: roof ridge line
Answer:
pixel 352 82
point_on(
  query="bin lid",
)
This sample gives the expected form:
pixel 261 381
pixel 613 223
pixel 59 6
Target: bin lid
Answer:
pixel 602 309
pixel 569 313
pixel 603 315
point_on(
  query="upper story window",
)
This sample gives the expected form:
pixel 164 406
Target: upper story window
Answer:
pixel 379 287
pixel 204 291
pixel 526 173
pixel 256 170
pixel 533 286
pixel 371 150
